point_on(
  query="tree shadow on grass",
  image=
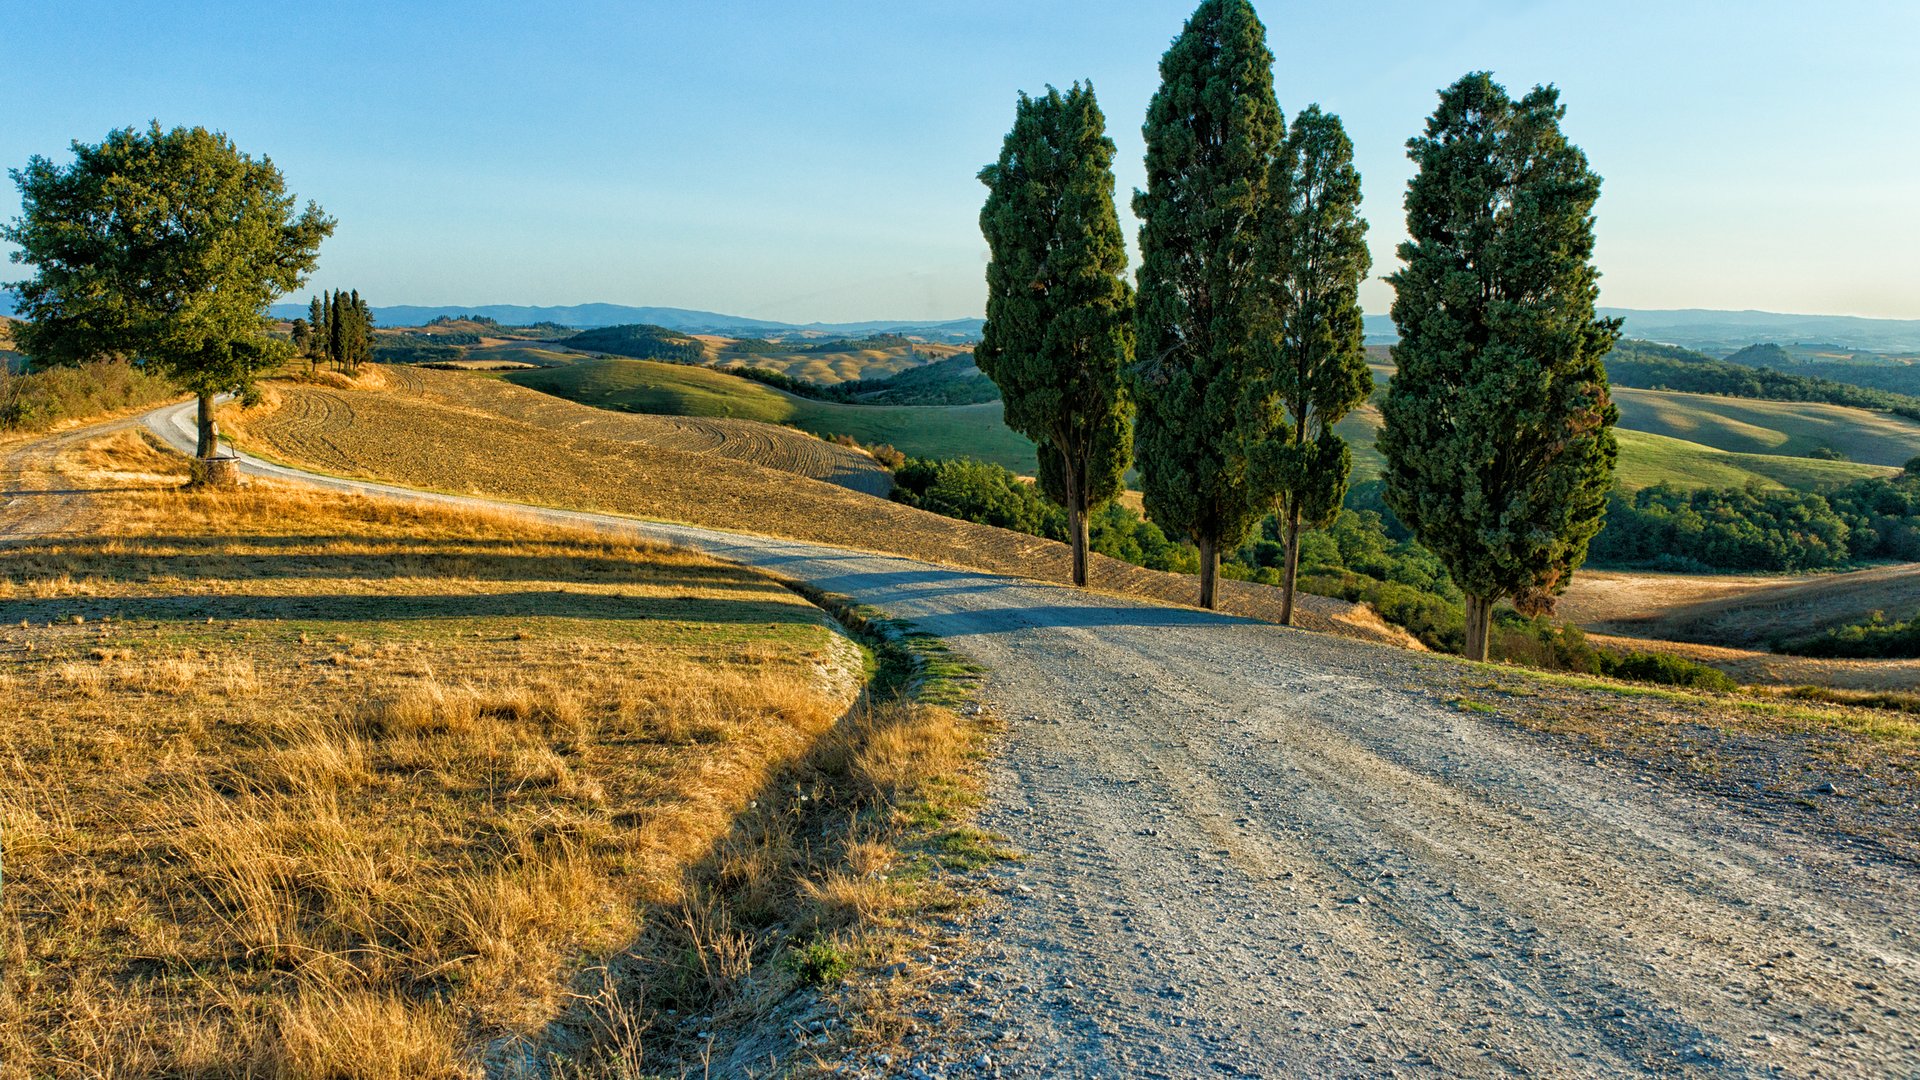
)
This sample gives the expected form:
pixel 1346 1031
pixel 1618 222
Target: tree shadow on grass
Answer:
pixel 185 558
pixel 375 607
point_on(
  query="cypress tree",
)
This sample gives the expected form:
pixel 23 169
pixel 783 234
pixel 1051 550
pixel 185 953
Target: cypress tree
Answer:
pixel 1499 426
pixel 1059 311
pixel 1213 133
pixel 359 332
pixel 316 329
pixel 1316 247
pixel 336 344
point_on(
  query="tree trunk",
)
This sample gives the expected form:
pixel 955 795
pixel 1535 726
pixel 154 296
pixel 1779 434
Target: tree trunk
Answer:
pixel 1076 520
pixel 208 468
pixel 209 430
pixel 1479 626
pixel 1293 566
pixel 1209 570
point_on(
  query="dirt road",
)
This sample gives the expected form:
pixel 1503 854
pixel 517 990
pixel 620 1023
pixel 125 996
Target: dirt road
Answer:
pixel 1255 851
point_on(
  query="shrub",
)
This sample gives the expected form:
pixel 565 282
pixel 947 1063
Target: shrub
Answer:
pixel 977 491
pixel 40 399
pixel 819 964
pixel 1665 668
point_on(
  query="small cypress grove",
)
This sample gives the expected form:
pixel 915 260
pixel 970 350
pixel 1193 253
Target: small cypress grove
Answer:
pixel 1247 326
pixel 338 329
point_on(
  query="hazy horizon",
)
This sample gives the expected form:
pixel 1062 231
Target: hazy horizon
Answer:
pixel 819 165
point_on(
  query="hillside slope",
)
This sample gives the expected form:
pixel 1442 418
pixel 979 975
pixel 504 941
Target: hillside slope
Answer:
pixel 740 439
pixel 1791 429
pixel 446 431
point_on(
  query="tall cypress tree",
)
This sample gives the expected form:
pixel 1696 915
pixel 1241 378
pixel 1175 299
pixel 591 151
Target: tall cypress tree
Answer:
pixel 1059 312
pixel 359 332
pixel 1316 246
pixel 1213 133
pixel 336 343
pixel 1499 426
pixel 316 329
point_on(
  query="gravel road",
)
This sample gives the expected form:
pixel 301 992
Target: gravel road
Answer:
pixel 1256 851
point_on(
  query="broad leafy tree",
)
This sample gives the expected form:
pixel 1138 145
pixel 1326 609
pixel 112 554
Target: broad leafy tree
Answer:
pixel 1317 252
pixel 1213 135
pixel 165 246
pixel 1499 426
pixel 1059 326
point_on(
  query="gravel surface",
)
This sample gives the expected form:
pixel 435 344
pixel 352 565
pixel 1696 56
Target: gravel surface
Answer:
pixel 1255 851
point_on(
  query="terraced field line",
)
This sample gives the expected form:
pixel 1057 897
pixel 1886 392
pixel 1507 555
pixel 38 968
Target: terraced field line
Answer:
pixel 1257 851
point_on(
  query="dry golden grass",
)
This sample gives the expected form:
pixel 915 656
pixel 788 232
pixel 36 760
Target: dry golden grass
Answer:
pixel 447 431
pixel 302 785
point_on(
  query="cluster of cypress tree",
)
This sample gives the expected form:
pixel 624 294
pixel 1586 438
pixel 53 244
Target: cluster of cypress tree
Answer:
pixel 338 329
pixel 1243 348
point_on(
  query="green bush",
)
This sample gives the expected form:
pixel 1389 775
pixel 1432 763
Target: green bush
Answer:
pixel 40 399
pixel 1664 668
pixel 819 964
pixel 1874 638
pixel 977 491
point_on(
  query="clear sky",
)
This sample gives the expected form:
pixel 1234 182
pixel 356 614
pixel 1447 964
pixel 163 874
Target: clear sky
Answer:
pixel 817 161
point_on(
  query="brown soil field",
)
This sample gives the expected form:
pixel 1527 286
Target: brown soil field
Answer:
pixel 1738 611
pixel 447 431
pixel 1730 620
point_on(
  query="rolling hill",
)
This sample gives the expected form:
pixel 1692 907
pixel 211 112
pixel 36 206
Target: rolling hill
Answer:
pixel 686 320
pixel 1725 428
pixel 1788 428
pixel 643 386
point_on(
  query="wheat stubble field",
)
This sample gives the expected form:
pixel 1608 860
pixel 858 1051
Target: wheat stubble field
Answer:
pixel 302 784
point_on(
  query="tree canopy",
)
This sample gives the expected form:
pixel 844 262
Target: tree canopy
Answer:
pixel 1059 311
pixel 1498 427
pixel 165 245
pixel 1213 134
pixel 1316 255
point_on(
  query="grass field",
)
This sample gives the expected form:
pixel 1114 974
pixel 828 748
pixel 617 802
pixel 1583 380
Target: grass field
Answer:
pixel 1784 428
pixel 304 785
pixel 1738 442
pixel 685 390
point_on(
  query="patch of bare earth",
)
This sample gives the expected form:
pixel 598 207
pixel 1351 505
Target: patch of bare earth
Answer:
pixel 1730 621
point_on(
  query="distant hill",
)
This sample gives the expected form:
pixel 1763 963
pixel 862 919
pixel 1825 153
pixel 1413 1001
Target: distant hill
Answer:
pixel 1729 331
pixel 684 320
pixel 1723 332
pixel 1766 372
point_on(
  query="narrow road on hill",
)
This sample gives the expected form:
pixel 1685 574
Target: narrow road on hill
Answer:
pixel 1256 851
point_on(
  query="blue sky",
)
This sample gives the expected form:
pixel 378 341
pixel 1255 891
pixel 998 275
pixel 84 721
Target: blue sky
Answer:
pixel 817 161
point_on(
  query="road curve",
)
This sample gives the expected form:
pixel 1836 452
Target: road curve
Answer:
pixel 1255 851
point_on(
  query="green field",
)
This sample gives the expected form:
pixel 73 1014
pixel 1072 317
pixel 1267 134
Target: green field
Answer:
pixel 689 390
